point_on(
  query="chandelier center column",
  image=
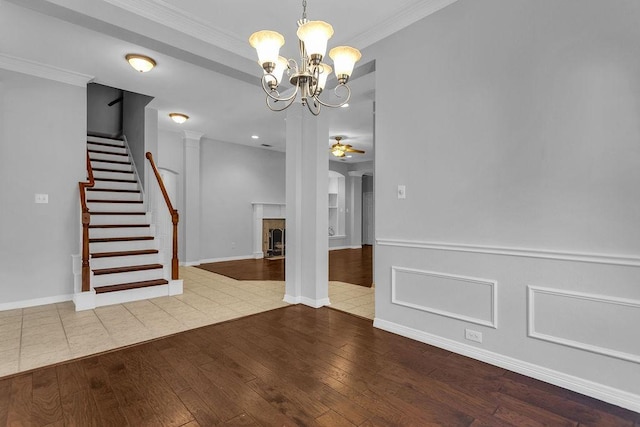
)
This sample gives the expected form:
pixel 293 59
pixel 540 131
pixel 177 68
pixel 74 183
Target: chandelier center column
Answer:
pixel 307 165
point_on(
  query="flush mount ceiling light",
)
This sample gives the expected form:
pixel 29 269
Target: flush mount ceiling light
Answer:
pixel 310 76
pixel 140 63
pixel 179 117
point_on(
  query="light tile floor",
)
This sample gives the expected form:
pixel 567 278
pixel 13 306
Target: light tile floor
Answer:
pixel 47 334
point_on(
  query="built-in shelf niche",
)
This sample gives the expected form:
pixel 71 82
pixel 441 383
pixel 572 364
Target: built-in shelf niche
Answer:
pixel 336 204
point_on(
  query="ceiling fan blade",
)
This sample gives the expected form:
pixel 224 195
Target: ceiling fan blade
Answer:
pixel 353 150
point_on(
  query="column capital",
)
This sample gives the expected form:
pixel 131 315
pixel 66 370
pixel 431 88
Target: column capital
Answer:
pixel 359 174
pixel 189 134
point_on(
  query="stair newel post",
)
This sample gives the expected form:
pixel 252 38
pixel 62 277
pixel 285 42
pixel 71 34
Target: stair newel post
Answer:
pixel 86 271
pixel 174 259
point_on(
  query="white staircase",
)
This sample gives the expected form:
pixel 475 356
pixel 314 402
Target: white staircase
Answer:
pixel 125 261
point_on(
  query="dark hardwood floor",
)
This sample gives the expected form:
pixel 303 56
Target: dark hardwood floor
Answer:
pixel 345 265
pixel 293 366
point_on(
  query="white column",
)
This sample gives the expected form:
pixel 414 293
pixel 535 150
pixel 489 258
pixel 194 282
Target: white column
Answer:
pixel 307 166
pixel 355 209
pixel 191 215
pixel 258 214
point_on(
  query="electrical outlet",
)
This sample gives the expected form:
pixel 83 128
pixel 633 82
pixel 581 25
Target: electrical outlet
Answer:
pixel 402 192
pixel 472 335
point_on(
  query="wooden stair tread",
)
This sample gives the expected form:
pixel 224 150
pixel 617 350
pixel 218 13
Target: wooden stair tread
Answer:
pixel 133 181
pixel 117 213
pixel 127 269
pixel 110 170
pixel 118 162
pixel 113 201
pixel 124 253
pixel 107 152
pixel 119 239
pixel 115 190
pixel 131 285
pixel 119 225
pixel 106 144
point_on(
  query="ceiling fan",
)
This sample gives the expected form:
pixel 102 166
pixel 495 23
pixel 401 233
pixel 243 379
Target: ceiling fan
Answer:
pixel 340 150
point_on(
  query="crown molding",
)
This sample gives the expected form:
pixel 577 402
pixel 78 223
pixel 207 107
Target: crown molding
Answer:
pixel 172 17
pixel 37 69
pixel 405 17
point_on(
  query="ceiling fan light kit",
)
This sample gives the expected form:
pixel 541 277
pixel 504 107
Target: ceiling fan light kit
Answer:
pixel 309 77
pixel 340 150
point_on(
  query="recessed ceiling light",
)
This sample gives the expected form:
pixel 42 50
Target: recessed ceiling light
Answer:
pixel 179 117
pixel 348 157
pixel 345 105
pixel 254 137
pixel 140 63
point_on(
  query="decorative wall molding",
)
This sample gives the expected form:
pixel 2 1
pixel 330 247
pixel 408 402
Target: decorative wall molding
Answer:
pixel 44 71
pixel 533 333
pixel 35 302
pixel 593 258
pixel 599 391
pixel 492 284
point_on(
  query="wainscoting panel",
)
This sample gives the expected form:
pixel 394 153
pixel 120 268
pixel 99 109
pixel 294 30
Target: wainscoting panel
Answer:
pixel 464 298
pixel 596 323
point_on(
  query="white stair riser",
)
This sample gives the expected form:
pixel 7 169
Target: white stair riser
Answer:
pixel 104 165
pixel 111 157
pixel 113 195
pixel 133 245
pixel 118 219
pixel 116 185
pixel 107 140
pixel 132 276
pixel 97 233
pixel 124 261
pixel 114 175
pixel 115 150
pixel 115 207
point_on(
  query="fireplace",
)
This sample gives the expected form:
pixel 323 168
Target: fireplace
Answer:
pixel 273 237
pixel 262 212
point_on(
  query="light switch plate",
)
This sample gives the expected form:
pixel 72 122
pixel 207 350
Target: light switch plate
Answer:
pixel 42 198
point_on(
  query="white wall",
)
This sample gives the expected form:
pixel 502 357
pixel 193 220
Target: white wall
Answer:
pixel 42 150
pixel 520 153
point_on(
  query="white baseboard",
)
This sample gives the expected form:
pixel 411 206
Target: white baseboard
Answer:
pixel 205 261
pixel 599 391
pixel 35 302
pixel 315 303
pixel 337 248
pixel 291 299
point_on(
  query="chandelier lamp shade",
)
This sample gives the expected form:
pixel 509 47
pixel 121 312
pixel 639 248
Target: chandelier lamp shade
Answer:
pixel 309 76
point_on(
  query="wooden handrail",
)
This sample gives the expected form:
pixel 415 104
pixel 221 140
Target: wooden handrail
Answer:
pixel 86 219
pixel 174 218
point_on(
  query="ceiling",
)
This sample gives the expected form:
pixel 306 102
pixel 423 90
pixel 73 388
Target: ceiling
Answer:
pixel 206 68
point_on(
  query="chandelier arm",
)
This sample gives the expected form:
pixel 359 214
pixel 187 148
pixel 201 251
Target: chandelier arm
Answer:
pixel 313 83
pixel 317 107
pixel 336 92
pixel 286 103
pixel 270 91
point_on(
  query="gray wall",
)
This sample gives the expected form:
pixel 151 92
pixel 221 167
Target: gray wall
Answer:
pixel 133 127
pixel 232 177
pixel 42 150
pixel 102 119
pixel 520 154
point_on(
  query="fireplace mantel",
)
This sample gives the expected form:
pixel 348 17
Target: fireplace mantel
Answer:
pixel 260 212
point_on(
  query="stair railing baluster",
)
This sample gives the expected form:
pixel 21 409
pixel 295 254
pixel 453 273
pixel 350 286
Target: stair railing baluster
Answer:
pixel 86 220
pixel 174 218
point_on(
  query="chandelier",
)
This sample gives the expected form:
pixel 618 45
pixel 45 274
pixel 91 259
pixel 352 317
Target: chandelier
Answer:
pixel 310 75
